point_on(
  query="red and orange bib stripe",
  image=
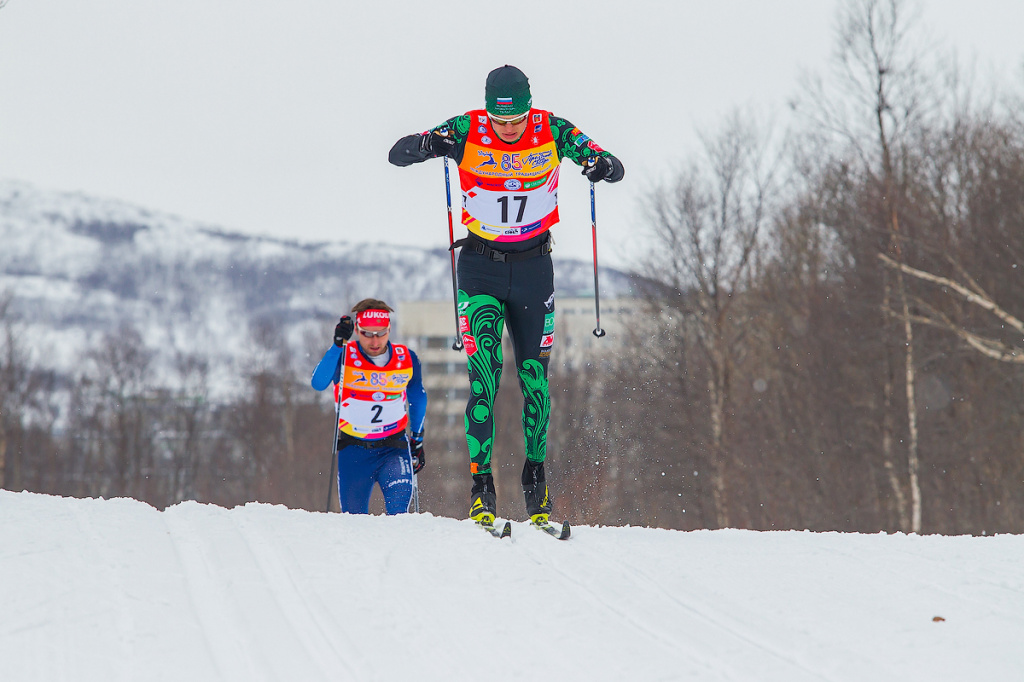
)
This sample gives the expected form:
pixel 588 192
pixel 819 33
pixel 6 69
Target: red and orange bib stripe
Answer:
pixel 373 398
pixel 509 191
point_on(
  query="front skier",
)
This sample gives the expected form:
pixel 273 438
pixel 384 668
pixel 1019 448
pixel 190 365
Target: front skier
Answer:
pixel 509 157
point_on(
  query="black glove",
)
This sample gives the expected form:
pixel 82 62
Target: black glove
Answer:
pixel 343 330
pixel 419 459
pixel 439 142
pixel 597 168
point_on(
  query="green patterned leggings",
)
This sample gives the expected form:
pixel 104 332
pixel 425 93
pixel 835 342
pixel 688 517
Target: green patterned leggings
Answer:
pixel 491 296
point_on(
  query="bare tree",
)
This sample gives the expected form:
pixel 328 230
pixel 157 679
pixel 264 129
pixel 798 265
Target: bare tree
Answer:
pixel 880 102
pixel 265 415
pixel 10 368
pixel 189 415
pixel 25 401
pixel 974 191
pixel 972 293
pixel 706 231
pixel 121 379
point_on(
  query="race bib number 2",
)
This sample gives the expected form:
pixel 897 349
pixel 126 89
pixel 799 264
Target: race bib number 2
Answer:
pixel 369 416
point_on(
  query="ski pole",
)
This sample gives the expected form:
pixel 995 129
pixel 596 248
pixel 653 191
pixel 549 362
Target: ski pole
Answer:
pixel 331 487
pixel 414 501
pixel 451 243
pixel 598 332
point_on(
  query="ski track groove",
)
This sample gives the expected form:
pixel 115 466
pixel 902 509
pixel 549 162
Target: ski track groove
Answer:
pixel 700 614
pixel 123 618
pixel 206 599
pixel 728 628
pixel 271 565
pixel 595 596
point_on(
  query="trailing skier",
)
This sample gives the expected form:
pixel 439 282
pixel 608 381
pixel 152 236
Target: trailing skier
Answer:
pixel 509 156
pixel 373 380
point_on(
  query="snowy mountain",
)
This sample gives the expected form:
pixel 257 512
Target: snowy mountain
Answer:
pixel 104 590
pixel 80 267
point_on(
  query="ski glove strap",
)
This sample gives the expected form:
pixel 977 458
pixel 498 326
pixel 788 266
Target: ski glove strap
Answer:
pixel 440 142
pixel 343 331
pixel 597 168
pixel 419 459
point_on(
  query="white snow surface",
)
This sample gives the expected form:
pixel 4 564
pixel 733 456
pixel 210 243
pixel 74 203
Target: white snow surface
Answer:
pixel 94 589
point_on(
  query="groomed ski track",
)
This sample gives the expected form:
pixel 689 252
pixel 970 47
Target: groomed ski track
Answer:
pixel 116 590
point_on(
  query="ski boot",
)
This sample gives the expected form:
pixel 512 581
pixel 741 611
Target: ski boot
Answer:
pixel 483 505
pixel 538 501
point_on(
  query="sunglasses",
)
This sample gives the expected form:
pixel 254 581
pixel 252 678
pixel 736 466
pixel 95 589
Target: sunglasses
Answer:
pixel 508 121
pixel 372 335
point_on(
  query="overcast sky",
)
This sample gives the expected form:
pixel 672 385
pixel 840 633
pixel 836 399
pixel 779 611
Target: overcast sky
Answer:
pixel 276 118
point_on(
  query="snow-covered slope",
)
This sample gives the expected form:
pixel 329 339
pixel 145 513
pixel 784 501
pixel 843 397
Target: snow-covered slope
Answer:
pixel 116 590
pixel 80 267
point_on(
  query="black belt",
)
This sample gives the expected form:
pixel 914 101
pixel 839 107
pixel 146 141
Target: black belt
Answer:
pixel 344 440
pixel 480 246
